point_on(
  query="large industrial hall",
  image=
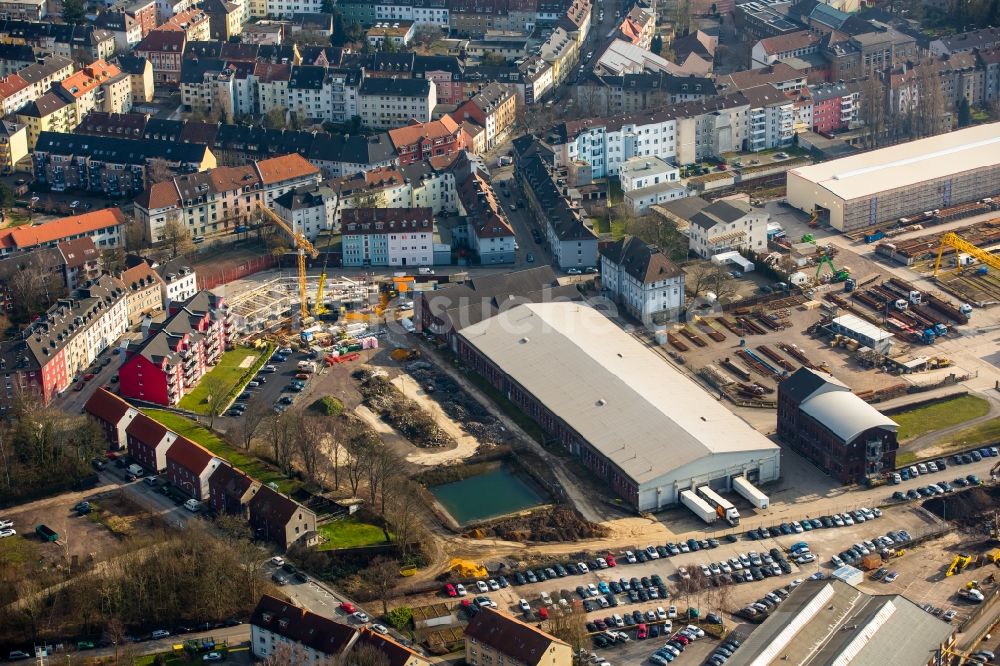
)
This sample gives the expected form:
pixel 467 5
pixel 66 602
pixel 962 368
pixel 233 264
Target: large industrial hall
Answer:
pixel 907 179
pixel 632 418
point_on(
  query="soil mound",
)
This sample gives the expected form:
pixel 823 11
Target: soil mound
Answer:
pixel 967 508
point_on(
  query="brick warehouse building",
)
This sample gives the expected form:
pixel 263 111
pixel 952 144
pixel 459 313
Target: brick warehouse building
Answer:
pixel 820 418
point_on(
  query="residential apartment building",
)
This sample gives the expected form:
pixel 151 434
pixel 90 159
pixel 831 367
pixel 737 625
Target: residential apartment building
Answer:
pixel 112 167
pixel 573 243
pixel 215 202
pixel 772 118
pixel 642 280
pixel 230 491
pixel 147 441
pixel 638 27
pixel 31 82
pixel 193 23
pixel 13 145
pixel 63 342
pixel 630 93
pixel 385 103
pixel 81 259
pixel 494 109
pixel 387 236
pixel 605 143
pixel 61 39
pixel 835 106
pixel 14 57
pixel 309 210
pixel 649 181
pixel 47 113
pixel 725 226
pixel 488 231
pixel 164 49
pixel 172 357
pixel 25 10
pixel 104 227
pixel 493 637
pixel 419 141
pixel 315 639
pixel 123 26
pixel 140 76
pixel 177 281
pixel 145 293
pixel 189 467
pixel 99 86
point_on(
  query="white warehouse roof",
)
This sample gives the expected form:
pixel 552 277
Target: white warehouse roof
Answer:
pixel 855 323
pixel 845 414
pixel 622 398
pixel 874 172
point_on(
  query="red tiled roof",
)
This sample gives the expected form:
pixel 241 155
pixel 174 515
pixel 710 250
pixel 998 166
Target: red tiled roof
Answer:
pixel 106 406
pixel 78 251
pixel 68 226
pixel 189 455
pixel 416 132
pixel 145 430
pixel 396 654
pixel 789 41
pixel 286 167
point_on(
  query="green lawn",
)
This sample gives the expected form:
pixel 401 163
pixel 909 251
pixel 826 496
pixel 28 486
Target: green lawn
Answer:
pixel 987 432
pixel 228 370
pixel 350 533
pixel 254 467
pixel 922 420
pixel 617 230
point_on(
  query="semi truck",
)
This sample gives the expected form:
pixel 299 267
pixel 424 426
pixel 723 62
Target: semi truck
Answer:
pixel 750 492
pixel 698 506
pixel 723 508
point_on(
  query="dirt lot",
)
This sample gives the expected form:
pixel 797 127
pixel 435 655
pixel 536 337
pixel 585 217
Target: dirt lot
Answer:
pixel 85 538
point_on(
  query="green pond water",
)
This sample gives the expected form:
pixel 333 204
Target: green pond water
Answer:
pixel 486 496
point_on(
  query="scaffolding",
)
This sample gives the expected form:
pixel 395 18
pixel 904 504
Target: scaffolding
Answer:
pixel 274 302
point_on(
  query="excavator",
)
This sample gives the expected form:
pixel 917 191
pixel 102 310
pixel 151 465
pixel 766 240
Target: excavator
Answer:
pixel 839 274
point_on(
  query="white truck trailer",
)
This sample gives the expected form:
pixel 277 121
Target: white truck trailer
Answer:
pixel 723 507
pixel 698 506
pixel 750 492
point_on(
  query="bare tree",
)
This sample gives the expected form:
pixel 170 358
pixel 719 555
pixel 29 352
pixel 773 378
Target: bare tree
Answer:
pixel 359 443
pixel 310 439
pixel 216 398
pixel 570 627
pixel 380 578
pixel 401 511
pixel 931 106
pixel 363 654
pixel 29 288
pixel 157 171
pixel 134 234
pixel 279 431
pixel 873 110
pixel 286 654
pixel 114 632
pixel 177 237
pixel 249 424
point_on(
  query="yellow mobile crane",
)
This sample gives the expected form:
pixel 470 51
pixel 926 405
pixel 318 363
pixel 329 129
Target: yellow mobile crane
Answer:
pixel 302 245
pixel 318 306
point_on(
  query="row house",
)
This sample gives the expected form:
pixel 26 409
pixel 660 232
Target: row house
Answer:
pixel 99 86
pixel 398 237
pixel 536 79
pixel 114 416
pixel 147 440
pixel 447 73
pixel 145 292
pixel 217 201
pixel 63 343
pixel 171 358
pixel 111 167
pixel 178 283
pixel 105 228
pixel 190 466
pixel 200 474
pixel 419 141
pixel 61 39
pixel 32 82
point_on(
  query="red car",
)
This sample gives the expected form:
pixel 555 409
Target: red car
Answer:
pixel 611 561
pixel 543 613
pixel 450 590
pixel 347 607
pixel 682 639
pixel 641 633
pixel 87 377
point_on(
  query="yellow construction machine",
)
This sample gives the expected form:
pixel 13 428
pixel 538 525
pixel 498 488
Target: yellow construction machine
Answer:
pixel 303 246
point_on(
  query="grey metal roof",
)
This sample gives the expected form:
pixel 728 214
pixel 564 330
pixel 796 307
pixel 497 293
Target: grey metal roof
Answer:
pixel 845 414
pixel 639 412
pixel 830 622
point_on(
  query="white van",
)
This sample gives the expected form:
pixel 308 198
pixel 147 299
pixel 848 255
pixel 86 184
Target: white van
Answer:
pixel 135 470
